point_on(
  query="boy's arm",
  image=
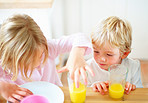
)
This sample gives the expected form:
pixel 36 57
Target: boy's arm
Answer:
pixel 136 78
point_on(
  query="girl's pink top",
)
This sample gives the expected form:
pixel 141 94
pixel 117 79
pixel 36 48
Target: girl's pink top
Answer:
pixel 48 71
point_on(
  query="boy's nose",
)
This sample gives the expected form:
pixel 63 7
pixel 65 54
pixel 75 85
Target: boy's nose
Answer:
pixel 103 59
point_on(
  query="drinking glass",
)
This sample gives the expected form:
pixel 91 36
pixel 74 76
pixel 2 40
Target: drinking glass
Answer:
pixel 118 74
pixel 77 95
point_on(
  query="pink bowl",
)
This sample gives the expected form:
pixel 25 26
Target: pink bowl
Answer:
pixel 35 99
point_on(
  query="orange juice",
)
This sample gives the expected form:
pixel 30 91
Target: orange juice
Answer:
pixel 77 95
pixel 116 90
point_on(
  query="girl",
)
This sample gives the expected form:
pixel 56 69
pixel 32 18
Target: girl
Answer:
pixel 26 55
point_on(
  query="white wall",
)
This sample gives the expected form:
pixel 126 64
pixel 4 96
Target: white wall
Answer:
pixel 138 17
pixel 57 19
pixel 71 16
pixel 41 16
pixel 83 15
pixel 51 20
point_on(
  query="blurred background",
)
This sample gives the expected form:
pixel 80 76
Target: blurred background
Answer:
pixel 64 17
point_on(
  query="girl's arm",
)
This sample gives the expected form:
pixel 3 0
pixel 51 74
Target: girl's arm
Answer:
pixel 66 43
pixel 77 65
pixel 79 45
pixel 10 91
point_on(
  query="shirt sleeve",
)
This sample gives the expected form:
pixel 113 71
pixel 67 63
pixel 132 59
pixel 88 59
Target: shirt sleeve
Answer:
pixel 4 76
pixel 66 43
pixel 136 77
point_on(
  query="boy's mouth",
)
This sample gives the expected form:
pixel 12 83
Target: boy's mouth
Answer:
pixel 102 64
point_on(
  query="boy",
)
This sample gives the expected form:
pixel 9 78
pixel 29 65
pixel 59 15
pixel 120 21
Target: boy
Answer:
pixel 112 44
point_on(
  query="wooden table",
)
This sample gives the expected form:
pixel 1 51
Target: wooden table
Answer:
pixel 140 95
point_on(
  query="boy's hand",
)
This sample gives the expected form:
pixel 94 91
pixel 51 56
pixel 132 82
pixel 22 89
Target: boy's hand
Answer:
pixel 101 87
pixel 129 87
pixel 13 93
pixel 77 66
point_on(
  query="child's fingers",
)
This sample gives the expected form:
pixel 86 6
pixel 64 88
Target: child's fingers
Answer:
pixel 77 78
pixel 107 83
pixel 17 97
pixel 83 74
pixel 72 73
pixel 24 93
pixel 89 70
pixel 28 92
pixel 95 88
pixel 133 87
pixel 100 88
pixel 127 86
pixel 104 86
pixel 130 88
pixel 12 100
pixel 63 69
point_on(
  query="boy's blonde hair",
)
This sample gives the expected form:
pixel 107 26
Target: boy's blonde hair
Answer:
pixel 20 41
pixel 116 32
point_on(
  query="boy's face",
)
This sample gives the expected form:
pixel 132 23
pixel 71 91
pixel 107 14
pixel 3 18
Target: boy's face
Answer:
pixel 106 56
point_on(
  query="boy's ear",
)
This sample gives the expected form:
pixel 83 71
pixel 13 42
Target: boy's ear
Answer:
pixel 125 54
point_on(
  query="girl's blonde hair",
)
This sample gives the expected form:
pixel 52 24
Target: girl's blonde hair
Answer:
pixel 116 32
pixel 20 41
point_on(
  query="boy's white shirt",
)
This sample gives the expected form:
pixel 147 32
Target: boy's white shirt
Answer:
pixel 133 76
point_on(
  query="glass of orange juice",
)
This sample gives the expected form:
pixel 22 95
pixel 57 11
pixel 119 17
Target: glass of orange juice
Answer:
pixel 118 74
pixel 77 95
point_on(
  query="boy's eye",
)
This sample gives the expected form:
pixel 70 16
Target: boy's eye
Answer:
pixel 110 54
pixel 96 51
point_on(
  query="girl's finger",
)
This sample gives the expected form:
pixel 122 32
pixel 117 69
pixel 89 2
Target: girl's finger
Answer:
pixel 17 97
pixel 63 69
pixel 89 70
pixel 25 90
pixel 72 73
pixel 23 93
pixel 83 74
pixel 77 78
pixel 12 100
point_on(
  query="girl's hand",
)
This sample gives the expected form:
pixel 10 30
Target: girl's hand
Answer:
pixel 101 87
pixel 77 66
pixel 12 92
pixel 129 87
